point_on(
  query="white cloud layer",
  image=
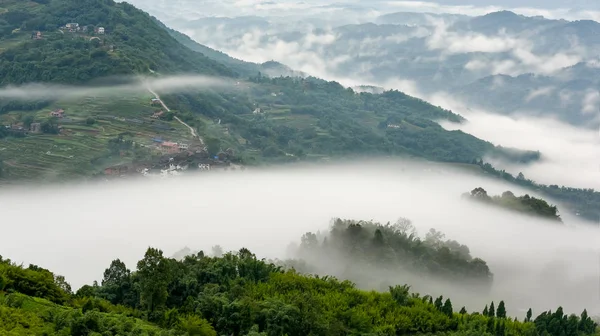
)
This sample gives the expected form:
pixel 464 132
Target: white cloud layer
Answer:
pixel 264 216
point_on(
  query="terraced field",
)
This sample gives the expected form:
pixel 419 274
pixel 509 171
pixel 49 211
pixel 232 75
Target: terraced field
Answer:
pixel 81 148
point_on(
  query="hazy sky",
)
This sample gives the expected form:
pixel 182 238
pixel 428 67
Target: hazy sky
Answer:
pixel 574 4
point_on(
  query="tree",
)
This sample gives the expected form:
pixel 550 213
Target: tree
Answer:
pixel 463 310
pixel 153 272
pixel 213 145
pixel 528 317
pixel 115 273
pixel 485 311
pixel 501 311
pixel 196 326
pixel 400 294
pixel 492 311
pixel 439 303
pixel 63 284
pixel 447 308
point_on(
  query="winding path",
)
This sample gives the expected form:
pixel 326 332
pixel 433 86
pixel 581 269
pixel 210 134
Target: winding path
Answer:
pixel 192 130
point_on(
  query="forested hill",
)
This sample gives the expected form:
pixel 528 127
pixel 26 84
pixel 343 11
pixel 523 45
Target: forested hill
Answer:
pixel 130 43
pixel 238 294
pixel 273 119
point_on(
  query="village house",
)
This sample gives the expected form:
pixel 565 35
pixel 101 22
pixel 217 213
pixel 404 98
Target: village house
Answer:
pixel 257 111
pixel 99 30
pixel 72 27
pixel 170 147
pixel 155 101
pixel 393 126
pixel 183 146
pixel 36 35
pixel 60 113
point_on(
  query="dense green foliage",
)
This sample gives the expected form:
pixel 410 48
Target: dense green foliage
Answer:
pixel 524 204
pixel 132 44
pixel 237 294
pixel 315 117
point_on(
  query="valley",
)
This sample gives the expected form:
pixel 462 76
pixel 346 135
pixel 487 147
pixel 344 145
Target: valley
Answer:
pixel 115 126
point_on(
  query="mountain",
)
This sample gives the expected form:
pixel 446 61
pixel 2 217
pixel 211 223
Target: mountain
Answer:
pixel 273 69
pixel 261 120
pixel 418 19
pixel 445 53
pixel 132 43
pixel 568 95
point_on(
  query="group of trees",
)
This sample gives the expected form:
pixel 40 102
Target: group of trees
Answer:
pixel 524 204
pixel 368 252
pixel 238 294
pixel 583 202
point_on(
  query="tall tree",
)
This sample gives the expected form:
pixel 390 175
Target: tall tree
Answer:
pixel 447 308
pixel 501 311
pixel 528 317
pixel 492 311
pixel 153 272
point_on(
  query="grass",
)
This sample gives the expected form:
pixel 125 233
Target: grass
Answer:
pixel 74 152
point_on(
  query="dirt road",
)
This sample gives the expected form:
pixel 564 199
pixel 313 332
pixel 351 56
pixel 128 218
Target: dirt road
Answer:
pixel 192 130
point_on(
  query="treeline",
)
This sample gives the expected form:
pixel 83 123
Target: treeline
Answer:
pixel 580 201
pixel 524 204
pixel 238 294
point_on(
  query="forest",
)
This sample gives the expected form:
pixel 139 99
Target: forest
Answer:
pixel 523 204
pixel 238 294
pixel 370 254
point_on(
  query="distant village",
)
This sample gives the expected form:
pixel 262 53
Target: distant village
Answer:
pixel 176 156
pixel 73 27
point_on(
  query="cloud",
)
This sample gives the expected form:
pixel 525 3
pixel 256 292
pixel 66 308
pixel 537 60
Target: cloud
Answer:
pixel 569 153
pixel 266 219
pixel 542 92
pixel 37 91
pixel 591 102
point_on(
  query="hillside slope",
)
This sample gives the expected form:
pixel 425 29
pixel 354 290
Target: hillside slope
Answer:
pixel 130 43
pixel 273 69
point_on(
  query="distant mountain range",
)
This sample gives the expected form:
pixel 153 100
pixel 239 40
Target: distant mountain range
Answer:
pixel 502 61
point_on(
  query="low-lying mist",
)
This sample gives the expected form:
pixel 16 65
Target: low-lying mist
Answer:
pixel 77 230
pixel 118 87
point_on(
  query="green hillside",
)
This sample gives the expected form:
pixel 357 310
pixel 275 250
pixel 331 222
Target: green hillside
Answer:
pixel 238 294
pixel 131 43
pixel 296 119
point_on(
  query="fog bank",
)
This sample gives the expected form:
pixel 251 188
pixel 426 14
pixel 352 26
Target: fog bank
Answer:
pixel 77 230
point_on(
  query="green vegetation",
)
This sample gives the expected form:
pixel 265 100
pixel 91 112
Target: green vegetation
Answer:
pixel 132 43
pixel 582 202
pixel 362 249
pixel 524 204
pixel 237 294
